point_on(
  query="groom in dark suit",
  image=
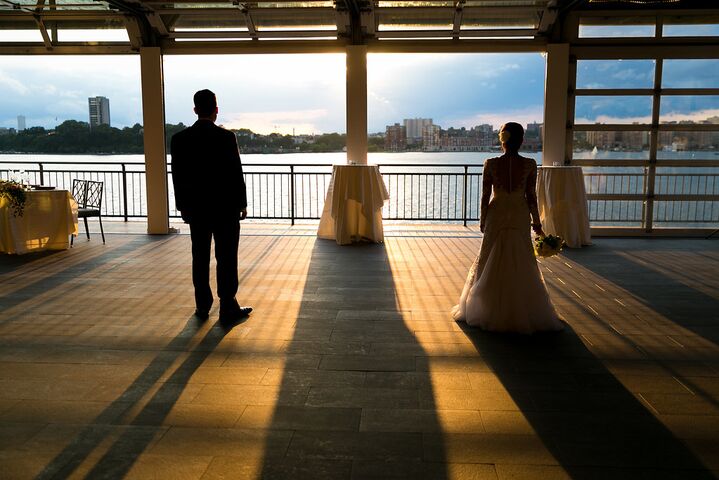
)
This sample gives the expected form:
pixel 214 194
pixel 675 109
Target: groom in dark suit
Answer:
pixel 210 194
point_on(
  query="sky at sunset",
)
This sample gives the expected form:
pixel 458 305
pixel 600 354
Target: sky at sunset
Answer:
pixel 306 93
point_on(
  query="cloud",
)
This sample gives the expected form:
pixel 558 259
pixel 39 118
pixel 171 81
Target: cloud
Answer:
pixel 285 122
pixel 613 119
pixel 9 83
pixel 697 116
pixel 494 71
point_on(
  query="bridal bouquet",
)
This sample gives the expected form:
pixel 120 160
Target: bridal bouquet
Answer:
pixel 548 245
pixel 15 193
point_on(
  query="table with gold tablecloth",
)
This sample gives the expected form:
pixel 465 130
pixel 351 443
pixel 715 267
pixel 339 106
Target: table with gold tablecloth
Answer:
pixel 562 202
pixel 48 220
pixel 353 206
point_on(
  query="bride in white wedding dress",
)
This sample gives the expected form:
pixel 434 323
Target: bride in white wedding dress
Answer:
pixel 505 291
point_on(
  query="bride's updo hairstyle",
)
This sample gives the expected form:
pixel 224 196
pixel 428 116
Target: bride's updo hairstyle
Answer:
pixel 511 134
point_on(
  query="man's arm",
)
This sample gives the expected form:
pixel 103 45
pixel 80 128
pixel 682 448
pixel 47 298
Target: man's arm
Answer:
pixel 178 163
pixel 238 177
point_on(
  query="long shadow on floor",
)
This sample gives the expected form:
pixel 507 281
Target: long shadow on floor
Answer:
pixel 352 413
pixel 79 266
pixel 678 302
pixel 128 424
pixel 134 437
pixel 591 425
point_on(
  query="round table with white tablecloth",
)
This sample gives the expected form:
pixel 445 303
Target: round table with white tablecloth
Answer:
pixel 48 220
pixel 353 206
pixel 562 202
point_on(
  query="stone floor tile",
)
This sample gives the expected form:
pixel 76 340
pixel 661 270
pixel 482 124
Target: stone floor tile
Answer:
pixel 251 395
pixel 362 397
pixel 300 418
pixel 222 442
pixel 243 468
pixel 409 420
pixel 487 448
pixel 348 445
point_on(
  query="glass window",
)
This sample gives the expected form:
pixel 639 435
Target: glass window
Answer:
pixel 620 109
pixel 615 73
pixel 707 30
pixel 93 35
pixel 688 109
pixel 694 145
pixel 598 27
pixel 704 26
pixel 20 36
pixel 691 73
pixel 611 145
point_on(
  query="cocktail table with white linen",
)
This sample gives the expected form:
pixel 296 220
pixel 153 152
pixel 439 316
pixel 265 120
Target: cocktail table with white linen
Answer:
pixel 562 202
pixel 353 206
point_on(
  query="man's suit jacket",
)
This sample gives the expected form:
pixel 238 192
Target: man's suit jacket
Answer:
pixel 207 173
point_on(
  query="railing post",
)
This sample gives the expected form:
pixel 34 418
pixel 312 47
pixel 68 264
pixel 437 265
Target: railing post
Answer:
pixel 124 189
pixel 292 194
pixel 42 174
pixel 464 196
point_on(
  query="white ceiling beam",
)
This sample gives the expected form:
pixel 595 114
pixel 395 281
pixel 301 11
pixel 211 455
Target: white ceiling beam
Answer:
pixel 134 32
pixel 261 34
pixel 485 33
pixel 245 9
pixel 157 23
pixel 457 20
pixel 548 17
pixel 43 31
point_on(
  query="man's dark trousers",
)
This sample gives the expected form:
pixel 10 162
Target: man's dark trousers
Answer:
pixel 226 232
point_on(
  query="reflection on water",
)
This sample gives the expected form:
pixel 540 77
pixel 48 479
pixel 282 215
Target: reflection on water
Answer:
pixel 422 185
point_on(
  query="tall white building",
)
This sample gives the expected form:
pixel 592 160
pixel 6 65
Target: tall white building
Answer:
pixel 415 127
pixel 99 111
pixel 21 123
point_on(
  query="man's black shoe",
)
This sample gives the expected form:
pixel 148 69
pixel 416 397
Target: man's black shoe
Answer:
pixel 202 314
pixel 234 313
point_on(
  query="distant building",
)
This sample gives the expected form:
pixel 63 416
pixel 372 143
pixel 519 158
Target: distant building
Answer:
pixel 414 128
pixel 430 138
pixel 6 131
pixel 533 136
pixel 395 138
pixel 99 111
pixel 21 123
pixel 298 139
pixel 484 134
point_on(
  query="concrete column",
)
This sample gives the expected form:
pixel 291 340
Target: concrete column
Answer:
pixel 356 103
pixel 153 115
pixel 555 104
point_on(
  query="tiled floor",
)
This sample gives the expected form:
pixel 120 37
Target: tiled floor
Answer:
pixel 350 366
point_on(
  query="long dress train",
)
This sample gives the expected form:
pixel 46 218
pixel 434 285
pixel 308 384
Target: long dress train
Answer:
pixel 505 291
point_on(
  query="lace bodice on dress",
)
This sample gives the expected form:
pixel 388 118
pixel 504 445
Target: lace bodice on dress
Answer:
pixel 510 174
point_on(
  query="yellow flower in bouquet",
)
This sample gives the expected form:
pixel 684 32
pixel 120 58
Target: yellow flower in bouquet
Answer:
pixel 548 245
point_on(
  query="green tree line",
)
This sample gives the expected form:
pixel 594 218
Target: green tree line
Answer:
pixel 76 137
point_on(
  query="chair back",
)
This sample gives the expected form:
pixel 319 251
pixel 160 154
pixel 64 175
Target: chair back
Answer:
pixel 93 194
pixel 79 192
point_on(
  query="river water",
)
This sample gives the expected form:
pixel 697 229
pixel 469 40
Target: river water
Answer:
pixel 422 185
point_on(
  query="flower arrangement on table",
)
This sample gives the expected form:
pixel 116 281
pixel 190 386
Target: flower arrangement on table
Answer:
pixel 548 245
pixel 15 193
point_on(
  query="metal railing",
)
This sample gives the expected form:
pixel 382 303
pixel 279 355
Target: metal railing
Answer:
pixel 418 192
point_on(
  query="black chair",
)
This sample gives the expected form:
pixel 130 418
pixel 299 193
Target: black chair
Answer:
pixel 88 195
